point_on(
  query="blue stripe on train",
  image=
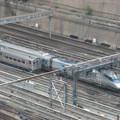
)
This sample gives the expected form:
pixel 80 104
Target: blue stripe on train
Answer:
pixel 66 61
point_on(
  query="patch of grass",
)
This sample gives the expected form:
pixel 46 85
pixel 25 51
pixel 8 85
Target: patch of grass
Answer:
pixel 23 0
pixel 40 4
pixel 73 11
pixel 31 2
pixel 88 10
pixel 55 7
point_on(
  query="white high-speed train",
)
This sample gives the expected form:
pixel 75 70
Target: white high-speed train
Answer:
pixel 33 60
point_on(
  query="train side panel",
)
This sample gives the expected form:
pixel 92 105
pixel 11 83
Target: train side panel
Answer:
pixel 58 63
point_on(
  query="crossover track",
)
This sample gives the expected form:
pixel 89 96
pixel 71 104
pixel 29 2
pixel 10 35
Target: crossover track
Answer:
pixel 42 89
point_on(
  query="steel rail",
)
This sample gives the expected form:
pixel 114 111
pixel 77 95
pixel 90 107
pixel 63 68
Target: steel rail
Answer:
pixel 29 35
pixel 37 105
pixel 78 112
pixel 62 38
pixel 85 105
pixel 52 50
pixel 86 102
pixel 27 78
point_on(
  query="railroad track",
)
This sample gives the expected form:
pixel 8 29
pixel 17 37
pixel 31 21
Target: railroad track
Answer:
pixel 58 43
pixel 19 111
pixel 30 98
pixel 51 50
pixel 85 103
pixel 4 116
pixel 86 91
pixel 98 94
pixel 62 38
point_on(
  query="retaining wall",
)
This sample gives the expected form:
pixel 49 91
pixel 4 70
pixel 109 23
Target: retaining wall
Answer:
pixel 66 23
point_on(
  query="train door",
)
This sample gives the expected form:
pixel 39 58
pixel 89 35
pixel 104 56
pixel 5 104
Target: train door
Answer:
pixel 51 64
pixel 98 79
pixel 28 64
pixel 37 64
pixel 0 55
pixel 45 64
pixel 96 76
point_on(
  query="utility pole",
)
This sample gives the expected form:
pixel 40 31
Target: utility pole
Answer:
pixel 118 117
pixel 50 27
pixel 65 89
pixel 75 89
pixel 6 8
pixel 9 8
pixel 50 90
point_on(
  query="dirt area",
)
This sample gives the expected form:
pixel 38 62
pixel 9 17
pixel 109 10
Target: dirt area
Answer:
pixel 4 116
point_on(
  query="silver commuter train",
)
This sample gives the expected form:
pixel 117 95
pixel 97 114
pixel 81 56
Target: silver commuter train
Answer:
pixel 49 62
pixel 19 59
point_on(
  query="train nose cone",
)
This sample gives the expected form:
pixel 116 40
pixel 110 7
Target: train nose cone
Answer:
pixel 118 86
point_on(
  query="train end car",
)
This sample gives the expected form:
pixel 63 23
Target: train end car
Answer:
pixel 113 78
pixel 20 59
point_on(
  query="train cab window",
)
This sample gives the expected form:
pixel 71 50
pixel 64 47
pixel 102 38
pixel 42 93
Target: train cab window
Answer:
pixel 23 62
pixel 34 64
pixel 10 58
pixel 110 75
pixel 14 59
pixel 6 57
pixel 19 61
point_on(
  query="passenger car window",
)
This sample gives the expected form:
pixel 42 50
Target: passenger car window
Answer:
pixel 19 61
pixel 14 59
pixel 23 62
pixel 10 58
pixel 6 57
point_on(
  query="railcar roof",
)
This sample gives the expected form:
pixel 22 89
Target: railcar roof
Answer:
pixel 18 53
pixel 64 61
pixel 20 48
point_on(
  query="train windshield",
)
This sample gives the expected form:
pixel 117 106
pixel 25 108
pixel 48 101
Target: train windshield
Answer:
pixel 110 74
pixel 113 76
